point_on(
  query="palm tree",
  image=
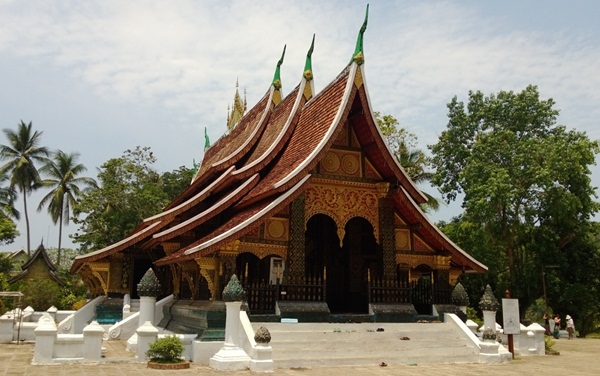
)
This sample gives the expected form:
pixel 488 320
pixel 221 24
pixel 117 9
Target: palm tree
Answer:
pixel 7 199
pixel 402 144
pixel 415 164
pixel 62 176
pixel 21 153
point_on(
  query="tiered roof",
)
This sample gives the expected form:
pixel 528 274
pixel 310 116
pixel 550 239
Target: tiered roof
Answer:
pixel 47 264
pixel 266 161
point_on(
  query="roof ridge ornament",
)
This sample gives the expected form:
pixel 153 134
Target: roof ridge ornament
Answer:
pixel 277 77
pixel 308 74
pixel 358 55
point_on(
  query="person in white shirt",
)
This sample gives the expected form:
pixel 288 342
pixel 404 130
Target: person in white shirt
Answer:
pixel 570 327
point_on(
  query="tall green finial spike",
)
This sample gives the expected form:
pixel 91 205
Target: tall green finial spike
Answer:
pixel 308 66
pixel 206 140
pixel 277 78
pixel 358 51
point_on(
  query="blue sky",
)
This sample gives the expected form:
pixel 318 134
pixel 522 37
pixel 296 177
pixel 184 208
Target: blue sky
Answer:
pixel 100 77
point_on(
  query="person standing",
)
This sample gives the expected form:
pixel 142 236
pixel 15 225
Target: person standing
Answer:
pixel 547 324
pixel 570 327
pixel 556 331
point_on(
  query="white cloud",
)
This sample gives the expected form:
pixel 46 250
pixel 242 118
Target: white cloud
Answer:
pixel 156 72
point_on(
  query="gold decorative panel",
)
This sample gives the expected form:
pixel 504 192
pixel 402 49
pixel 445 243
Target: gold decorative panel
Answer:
pixel 370 171
pixel 358 79
pixel 263 250
pixel 100 270
pixel 341 162
pixel 398 221
pixel 342 203
pixel 433 261
pixel 277 229
pixel 402 239
pixel 420 245
pixel 170 247
pixel 209 270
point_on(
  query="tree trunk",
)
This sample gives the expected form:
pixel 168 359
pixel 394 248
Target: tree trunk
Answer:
pixel 60 224
pixel 27 222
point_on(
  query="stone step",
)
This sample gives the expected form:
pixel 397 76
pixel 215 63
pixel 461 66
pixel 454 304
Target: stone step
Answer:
pixel 331 344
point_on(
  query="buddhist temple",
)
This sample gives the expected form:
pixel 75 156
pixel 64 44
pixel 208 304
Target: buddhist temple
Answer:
pixel 38 267
pixel 303 201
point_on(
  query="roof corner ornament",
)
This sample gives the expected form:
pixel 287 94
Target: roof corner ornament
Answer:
pixel 308 74
pixel 358 55
pixel 276 77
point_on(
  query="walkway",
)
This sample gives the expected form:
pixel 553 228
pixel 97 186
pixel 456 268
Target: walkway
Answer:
pixel 578 357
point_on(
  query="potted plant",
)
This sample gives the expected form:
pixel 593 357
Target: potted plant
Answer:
pixel 165 353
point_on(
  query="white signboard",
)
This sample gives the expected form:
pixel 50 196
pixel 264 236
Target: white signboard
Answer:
pixel 510 312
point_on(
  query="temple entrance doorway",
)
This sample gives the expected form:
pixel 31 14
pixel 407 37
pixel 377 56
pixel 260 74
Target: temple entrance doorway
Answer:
pixel 422 290
pixel 251 269
pixel 347 268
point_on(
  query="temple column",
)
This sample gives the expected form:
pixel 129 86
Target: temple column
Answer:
pixel 295 268
pixel 441 280
pixel 209 269
pixel 387 235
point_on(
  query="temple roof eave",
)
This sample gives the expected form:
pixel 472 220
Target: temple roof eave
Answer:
pixel 392 162
pixel 209 243
pixel 213 186
pixel 407 205
pixel 276 146
pixel 133 238
pixel 209 213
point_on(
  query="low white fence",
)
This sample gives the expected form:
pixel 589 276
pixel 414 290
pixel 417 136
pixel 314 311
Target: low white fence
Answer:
pixel 51 347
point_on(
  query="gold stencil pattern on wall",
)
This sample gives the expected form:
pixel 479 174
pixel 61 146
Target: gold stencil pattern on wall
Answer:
pixel 342 204
pixel 276 229
pixel 341 162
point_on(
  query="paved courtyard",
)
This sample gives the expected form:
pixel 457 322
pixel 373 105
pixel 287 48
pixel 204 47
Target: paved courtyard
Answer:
pixel 578 357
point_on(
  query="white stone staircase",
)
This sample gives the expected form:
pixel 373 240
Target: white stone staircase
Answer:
pixel 331 344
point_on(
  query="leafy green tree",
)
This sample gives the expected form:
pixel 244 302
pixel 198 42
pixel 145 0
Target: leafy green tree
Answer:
pixel 175 182
pixel 8 230
pixel 8 195
pixel 6 264
pixel 62 176
pixel 525 183
pixel 128 191
pixel 41 294
pixel 21 154
pixel 403 145
pixel 66 258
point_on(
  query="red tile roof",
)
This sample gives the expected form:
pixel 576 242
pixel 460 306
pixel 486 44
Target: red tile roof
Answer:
pixel 269 156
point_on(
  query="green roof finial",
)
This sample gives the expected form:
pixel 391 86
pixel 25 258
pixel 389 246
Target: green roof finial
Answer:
pixel 308 66
pixel 358 55
pixel 277 78
pixel 206 140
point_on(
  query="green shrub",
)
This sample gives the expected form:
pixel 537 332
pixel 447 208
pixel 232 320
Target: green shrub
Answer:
pixel 548 343
pixel 473 315
pixel 165 350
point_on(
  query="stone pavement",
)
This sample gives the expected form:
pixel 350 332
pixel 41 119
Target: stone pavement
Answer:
pixel 577 357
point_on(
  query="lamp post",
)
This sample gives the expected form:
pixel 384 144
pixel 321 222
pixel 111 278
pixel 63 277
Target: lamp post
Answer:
pixel 544 267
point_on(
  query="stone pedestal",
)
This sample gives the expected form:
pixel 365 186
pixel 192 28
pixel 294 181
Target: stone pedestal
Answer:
pixel 489 321
pixel 263 360
pixel 45 335
pixel 488 352
pixel 231 357
pixel 147 307
pixel 146 334
pixel 92 341
pixel 6 327
pixel 52 311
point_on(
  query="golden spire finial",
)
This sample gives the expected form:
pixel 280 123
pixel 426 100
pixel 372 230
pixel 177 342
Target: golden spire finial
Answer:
pixel 238 108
